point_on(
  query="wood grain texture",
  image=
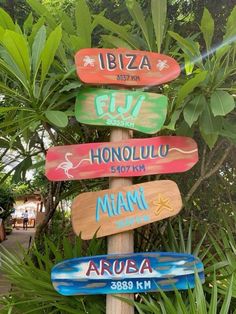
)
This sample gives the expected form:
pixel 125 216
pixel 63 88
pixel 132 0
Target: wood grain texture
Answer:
pixel 124 208
pixel 127 158
pixel 120 243
pixel 127 273
pixel 144 112
pixel 125 67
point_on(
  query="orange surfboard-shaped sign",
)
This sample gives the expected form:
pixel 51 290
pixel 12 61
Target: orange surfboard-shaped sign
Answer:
pixel 125 67
pixel 117 210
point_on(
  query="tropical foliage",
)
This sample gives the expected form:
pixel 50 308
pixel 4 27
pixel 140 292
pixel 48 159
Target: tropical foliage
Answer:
pixel 38 85
pixel 31 278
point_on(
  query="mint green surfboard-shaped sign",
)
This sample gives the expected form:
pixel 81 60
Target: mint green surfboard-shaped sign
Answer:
pixel 141 111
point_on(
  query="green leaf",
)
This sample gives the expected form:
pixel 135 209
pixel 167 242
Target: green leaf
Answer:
pixel 159 11
pixel 37 48
pixel 188 64
pixel 18 29
pixel 83 22
pixel 207 27
pixel 208 123
pixel 2 31
pixel 70 86
pixel 6 21
pixel 221 51
pixel 229 129
pixel 169 306
pixel 184 43
pixel 21 169
pixel 35 29
pixel 221 103
pixel 193 109
pixel 49 51
pixel 137 14
pixel 28 24
pixel 42 11
pixel 12 93
pixel 210 139
pixel 200 300
pixel 117 29
pixel 77 42
pixel 18 49
pixel 213 304
pixel 58 118
pixel 184 130
pixel 189 86
pixel 67 23
pixel 174 118
pixel 231 26
pixel 227 299
pixel 7 109
pixel 115 41
pixel 8 66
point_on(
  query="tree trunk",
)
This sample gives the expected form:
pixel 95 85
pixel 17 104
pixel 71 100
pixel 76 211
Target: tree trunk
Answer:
pixel 50 203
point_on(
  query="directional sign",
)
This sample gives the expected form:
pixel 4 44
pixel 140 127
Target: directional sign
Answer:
pixel 117 210
pixel 128 158
pixel 141 272
pixel 145 112
pixel 125 67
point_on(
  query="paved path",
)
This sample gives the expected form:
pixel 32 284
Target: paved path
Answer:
pixel 17 237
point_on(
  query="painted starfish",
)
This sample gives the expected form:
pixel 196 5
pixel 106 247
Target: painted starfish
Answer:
pixel 162 64
pixel 162 204
pixel 88 61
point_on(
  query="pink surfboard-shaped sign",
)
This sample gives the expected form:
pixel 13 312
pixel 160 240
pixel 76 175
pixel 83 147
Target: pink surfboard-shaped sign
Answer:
pixel 129 158
pixel 125 67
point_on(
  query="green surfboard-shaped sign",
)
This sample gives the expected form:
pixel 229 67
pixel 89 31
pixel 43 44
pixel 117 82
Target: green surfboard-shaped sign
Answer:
pixel 141 111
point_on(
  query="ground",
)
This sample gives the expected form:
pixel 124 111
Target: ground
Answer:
pixel 18 237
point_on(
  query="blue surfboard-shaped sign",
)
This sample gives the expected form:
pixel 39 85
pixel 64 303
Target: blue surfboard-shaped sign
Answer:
pixel 126 273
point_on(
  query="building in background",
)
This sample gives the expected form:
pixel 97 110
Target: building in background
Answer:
pixel 34 206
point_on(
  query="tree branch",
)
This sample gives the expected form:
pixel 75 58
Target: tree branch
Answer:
pixel 51 135
pixel 208 173
pixel 213 153
pixel 203 160
pixel 219 163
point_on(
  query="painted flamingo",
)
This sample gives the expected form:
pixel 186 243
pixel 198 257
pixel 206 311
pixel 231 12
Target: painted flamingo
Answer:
pixel 68 165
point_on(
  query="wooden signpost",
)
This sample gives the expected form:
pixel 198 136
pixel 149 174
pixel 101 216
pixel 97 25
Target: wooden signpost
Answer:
pixel 125 67
pixel 115 212
pixel 128 273
pixel 118 210
pixel 128 158
pixel 144 112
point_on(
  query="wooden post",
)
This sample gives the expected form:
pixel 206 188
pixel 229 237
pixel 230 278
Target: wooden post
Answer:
pixel 122 242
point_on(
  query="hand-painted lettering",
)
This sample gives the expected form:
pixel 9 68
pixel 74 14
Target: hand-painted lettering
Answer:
pixel 145 63
pixel 111 61
pixel 121 203
pixel 132 58
pixel 103 204
pixel 105 267
pixel 108 104
pixel 131 221
pixel 128 61
pixel 117 267
pixel 127 153
pixel 131 267
pixel 92 268
pixel 145 266
pixel 113 205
